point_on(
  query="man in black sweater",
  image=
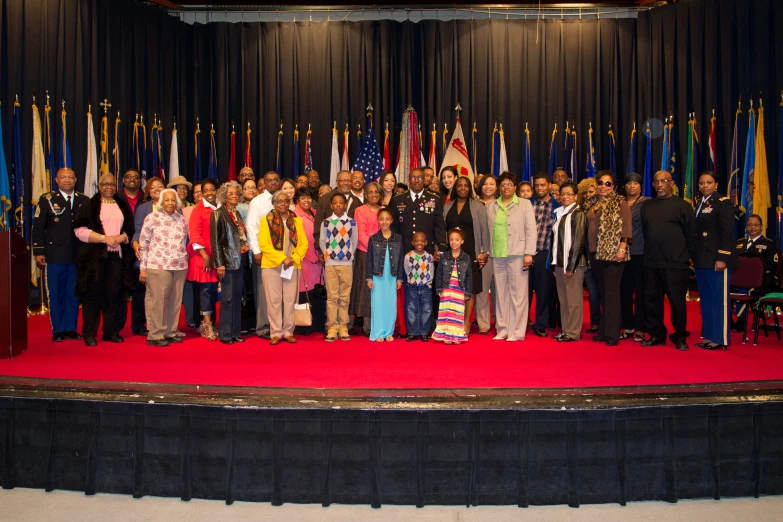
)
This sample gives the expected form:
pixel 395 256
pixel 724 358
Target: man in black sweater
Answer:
pixel 669 232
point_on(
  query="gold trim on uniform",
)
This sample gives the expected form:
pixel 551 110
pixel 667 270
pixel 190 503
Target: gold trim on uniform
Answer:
pixel 726 325
pixel 724 252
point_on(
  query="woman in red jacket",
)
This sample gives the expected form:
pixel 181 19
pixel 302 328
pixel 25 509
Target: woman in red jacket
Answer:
pixel 199 251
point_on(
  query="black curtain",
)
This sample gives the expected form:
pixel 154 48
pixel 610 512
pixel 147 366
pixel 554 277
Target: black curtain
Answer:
pixel 693 56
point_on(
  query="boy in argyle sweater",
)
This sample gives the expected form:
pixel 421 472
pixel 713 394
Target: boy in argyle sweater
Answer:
pixel 338 243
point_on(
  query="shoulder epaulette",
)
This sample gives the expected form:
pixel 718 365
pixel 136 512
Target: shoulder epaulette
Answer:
pixel 725 198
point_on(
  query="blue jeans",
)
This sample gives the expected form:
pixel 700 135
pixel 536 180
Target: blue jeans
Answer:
pixel 418 309
pixel 594 297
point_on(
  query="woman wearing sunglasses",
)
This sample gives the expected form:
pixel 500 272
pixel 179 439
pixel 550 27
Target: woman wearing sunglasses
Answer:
pixel 609 233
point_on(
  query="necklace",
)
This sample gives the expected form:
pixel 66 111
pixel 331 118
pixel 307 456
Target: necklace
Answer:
pixel 632 203
pixel 108 202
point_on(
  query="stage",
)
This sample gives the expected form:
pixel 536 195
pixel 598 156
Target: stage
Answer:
pixel 486 422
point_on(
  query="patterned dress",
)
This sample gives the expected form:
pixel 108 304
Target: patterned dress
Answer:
pixel 451 312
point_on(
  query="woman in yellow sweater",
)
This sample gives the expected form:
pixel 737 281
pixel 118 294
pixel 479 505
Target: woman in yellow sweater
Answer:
pixel 283 244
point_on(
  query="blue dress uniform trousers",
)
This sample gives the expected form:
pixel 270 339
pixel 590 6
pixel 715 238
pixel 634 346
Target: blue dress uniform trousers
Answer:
pixel 715 304
pixel 63 304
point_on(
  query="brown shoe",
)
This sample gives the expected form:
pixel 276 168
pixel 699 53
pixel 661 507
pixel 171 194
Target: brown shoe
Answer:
pixel 207 331
pixel 290 339
pixel 274 341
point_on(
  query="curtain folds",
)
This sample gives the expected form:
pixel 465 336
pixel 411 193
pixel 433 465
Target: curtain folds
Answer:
pixel 693 56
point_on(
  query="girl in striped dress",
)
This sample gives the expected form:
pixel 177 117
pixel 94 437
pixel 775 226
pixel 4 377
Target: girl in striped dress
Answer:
pixel 454 286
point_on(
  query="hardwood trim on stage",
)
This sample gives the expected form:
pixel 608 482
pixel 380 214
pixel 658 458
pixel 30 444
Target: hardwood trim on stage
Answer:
pixel 394 399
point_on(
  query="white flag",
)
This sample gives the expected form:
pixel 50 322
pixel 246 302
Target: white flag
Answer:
pixel 335 164
pixel 39 181
pixel 39 166
pixel 457 154
pixel 503 157
pixel 91 171
pixel 174 158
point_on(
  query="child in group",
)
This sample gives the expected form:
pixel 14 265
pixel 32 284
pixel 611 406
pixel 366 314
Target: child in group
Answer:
pixel 454 285
pixel 338 243
pixel 419 274
pixel 384 271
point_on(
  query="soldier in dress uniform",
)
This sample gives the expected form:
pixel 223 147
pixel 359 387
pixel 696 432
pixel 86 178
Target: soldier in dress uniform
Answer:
pixel 54 248
pixel 714 260
pixel 419 210
pixel 765 248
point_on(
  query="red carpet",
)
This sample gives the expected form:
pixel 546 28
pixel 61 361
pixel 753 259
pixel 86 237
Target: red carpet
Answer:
pixel 313 363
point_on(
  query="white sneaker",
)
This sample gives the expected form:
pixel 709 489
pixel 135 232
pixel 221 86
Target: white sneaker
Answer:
pixel 498 338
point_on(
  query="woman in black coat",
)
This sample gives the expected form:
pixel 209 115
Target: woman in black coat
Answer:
pixel 715 258
pixel 104 259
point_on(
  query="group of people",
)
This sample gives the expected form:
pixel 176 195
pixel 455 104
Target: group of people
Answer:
pixel 417 261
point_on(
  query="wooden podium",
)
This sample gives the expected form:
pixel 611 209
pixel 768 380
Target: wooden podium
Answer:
pixel 13 294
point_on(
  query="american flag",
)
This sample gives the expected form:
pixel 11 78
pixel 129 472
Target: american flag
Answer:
pixel 369 161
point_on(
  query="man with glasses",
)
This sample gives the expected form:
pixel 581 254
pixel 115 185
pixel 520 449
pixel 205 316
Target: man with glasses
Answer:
pixel 669 231
pixel 259 207
pixel 245 173
pixel 324 207
pixel 542 279
pixel 54 248
pixel 132 194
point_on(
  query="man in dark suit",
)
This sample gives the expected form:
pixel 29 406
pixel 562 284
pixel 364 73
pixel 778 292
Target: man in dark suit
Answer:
pixel 323 208
pixel 132 194
pixel 419 210
pixel 54 248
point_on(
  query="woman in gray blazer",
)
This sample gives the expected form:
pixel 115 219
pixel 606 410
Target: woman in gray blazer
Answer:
pixel 470 216
pixel 512 245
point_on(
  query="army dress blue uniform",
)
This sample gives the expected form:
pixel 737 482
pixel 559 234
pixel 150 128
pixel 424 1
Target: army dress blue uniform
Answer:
pixel 53 237
pixel 423 215
pixel 715 242
pixel 764 248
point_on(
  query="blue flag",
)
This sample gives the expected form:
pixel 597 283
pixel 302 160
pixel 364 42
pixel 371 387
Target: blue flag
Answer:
pixel 527 167
pixel 590 169
pixel 665 151
pixel 51 182
pixel 673 153
pixel 631 165
pixel 212 168
pixel 612 153
pixel 197 161
pixel 647 179
pixel 21 211
pixel 308 163
pixel 496 152
pixel 552 153
pixel 746 201
pixel 6 215
pixel 295 147
pixel 369 162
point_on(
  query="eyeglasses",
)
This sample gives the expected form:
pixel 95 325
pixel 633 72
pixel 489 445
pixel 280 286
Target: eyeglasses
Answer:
pixel 567 195
pixel 608 184
pixel 507 185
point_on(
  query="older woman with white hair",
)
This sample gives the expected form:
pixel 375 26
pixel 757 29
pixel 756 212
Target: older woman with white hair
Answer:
pixel 163 265
pixel 229 249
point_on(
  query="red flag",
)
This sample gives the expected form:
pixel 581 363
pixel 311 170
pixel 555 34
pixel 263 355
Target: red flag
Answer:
pixel 248 158
pixel 232 159
pixel 386 152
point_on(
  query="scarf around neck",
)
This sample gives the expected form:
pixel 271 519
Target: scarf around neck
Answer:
pixel 275 223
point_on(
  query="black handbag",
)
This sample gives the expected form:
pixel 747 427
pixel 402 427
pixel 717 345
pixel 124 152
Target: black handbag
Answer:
pixel 319 290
